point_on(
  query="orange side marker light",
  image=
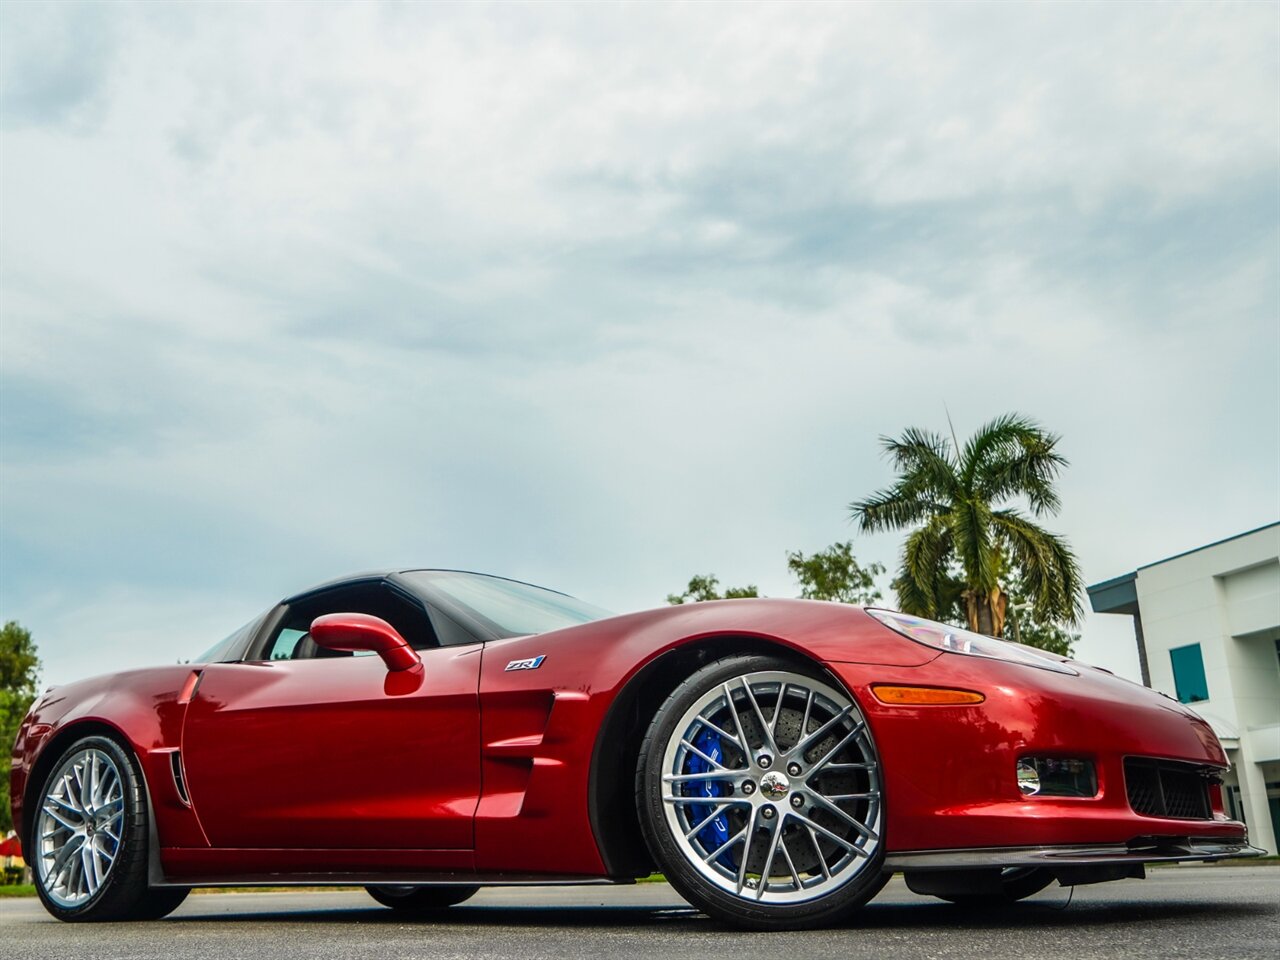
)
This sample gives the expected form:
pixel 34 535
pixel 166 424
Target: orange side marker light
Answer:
pixel 916 696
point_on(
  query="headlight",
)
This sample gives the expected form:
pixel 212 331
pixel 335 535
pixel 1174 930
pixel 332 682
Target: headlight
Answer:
pixel 940 636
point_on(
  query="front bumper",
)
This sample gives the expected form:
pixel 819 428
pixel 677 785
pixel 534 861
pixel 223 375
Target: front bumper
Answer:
pixel 950 770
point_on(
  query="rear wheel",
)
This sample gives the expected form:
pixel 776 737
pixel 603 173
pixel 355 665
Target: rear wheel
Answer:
pixel 420 900
pixel 88 838
pixel 761 797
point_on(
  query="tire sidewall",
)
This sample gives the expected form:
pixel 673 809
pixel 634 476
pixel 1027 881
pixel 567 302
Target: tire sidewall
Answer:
pixel 671 859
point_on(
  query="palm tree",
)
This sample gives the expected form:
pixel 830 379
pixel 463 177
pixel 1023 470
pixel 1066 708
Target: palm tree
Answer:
pixel 964 531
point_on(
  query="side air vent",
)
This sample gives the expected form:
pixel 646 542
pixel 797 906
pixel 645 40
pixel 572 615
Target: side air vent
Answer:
pixel 189 688
pixel 179 781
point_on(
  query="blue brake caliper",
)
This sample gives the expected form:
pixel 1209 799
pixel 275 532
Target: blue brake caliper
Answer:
pixel 715 833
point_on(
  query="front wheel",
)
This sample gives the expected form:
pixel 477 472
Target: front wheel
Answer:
pixel 761 797
pixel 88 838
pixel 421 900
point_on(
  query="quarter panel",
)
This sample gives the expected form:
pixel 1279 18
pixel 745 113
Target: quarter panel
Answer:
pixel 539 726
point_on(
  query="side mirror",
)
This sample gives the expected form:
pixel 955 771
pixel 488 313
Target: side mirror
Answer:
pixel 360 631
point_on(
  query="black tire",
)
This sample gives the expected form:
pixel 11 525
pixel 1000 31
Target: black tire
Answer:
pixel 122 893
pixel 864 877
pixel 160 902
pixel 421 901
pixel 1016 883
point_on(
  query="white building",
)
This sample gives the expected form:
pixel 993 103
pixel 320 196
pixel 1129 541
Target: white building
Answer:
pixel 1207 624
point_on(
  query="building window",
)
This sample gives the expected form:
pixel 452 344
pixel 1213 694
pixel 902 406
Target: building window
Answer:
pixel 1188 674
pixel 1235 803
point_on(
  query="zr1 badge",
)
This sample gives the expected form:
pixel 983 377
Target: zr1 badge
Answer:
pixel 533 663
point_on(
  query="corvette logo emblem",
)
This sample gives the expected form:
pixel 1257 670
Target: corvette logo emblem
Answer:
pixel 533 663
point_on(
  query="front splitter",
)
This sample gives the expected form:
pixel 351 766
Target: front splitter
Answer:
pixel 1161 850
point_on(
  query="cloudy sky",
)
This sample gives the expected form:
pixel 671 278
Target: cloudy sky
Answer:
pixel 602 296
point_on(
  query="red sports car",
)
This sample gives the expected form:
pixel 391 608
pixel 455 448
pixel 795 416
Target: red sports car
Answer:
pixel 427 732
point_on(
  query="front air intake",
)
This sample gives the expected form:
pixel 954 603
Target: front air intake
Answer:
pixel 1167 788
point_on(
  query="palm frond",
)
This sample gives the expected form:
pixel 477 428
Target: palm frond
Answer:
pixel 927 479
pixel 924 457
pixel 1049 568
pixel 893 509
pixel 990 435
pixel 1014 456
pixel 924 563
pixel 970 524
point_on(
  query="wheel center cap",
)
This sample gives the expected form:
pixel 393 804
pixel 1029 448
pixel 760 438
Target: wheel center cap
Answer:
pixel 774 786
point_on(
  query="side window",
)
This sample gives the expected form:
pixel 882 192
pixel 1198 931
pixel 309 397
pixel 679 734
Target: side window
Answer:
pixel 292 639
pixel 283 646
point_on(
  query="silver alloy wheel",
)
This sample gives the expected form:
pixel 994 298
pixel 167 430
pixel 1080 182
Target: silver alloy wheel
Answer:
pixel 772 788
pixel 80 827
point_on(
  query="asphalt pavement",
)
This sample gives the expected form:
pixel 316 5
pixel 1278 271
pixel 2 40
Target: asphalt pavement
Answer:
pixel 1193 912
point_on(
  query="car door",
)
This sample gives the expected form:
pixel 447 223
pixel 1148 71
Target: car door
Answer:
pixel 299 749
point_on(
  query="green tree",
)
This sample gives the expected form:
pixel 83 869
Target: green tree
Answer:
pixel 19 669
pixel 707 587
pixel 1021 623
pixel 835 574
pixel 1023 626
pixel 958 504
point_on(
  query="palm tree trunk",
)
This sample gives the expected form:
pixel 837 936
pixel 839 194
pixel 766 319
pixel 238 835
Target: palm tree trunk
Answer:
pixel 986 611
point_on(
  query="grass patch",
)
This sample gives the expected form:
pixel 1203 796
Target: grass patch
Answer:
pixel 18 890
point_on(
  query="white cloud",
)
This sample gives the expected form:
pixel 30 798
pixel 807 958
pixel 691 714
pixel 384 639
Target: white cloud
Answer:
pixel 603 296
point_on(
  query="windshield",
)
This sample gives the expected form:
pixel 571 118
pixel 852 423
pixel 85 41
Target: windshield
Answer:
pixel 227 646
pixel 512 608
